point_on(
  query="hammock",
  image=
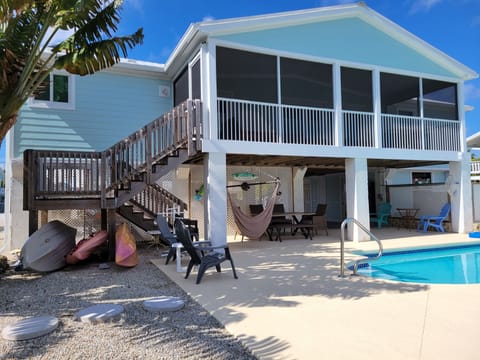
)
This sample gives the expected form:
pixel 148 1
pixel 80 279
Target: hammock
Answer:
pixel 253 227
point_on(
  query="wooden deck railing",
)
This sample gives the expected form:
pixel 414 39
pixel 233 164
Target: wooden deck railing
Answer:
pixel 241 120
pixel 68 174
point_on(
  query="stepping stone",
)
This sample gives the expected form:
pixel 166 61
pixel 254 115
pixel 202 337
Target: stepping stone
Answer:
pixel 30 328
pixel 164 303
pixel 100 313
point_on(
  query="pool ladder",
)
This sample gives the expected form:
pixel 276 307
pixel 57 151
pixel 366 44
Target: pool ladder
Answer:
pixel 342 246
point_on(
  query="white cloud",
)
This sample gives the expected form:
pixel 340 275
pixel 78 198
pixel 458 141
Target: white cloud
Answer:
pixel 208 18
pixel 417 6
pixel 471 92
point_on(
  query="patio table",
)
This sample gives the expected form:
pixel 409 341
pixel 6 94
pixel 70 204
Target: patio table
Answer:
pixel 407 217
pixel 297 224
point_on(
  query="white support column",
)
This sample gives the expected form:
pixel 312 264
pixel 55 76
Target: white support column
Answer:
pixel 337 104
pixel 461 116
pixel 215 179
pixel 356 184
pixel 298 194
pixel 460 191
pixel 377 108
pixel 209 90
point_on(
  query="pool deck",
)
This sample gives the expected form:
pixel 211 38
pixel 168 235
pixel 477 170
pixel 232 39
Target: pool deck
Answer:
pixel 290 303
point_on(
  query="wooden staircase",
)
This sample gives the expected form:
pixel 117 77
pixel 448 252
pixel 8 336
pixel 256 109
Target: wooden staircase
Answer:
pixel 121 178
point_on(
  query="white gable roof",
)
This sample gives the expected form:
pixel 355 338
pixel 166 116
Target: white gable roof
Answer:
pixel 199 32
pixel 473 141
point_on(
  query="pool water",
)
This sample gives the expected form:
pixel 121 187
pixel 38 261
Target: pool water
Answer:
pixel 452 265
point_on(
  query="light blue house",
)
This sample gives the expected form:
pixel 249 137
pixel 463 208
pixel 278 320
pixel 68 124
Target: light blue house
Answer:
pixel 320 98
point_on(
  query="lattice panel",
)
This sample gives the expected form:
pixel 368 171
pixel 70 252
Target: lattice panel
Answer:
pixel 85 221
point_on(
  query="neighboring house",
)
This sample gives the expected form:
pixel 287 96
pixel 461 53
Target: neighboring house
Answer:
pixel 473 143
pixel 326 99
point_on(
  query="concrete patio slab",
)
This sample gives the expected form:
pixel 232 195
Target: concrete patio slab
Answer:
pixel 290 303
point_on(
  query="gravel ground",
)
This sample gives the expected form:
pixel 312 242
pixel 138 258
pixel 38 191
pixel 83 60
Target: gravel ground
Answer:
pixel 190 333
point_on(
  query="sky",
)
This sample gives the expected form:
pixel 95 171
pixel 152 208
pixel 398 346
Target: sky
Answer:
pixel 452 26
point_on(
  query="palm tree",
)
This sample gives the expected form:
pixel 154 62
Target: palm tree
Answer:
pixel 28 52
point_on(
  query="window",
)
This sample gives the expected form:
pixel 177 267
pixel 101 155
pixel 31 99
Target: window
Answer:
pixel 306 83
pixel 246 76
pixel 419 178
pixel 357 92
pixel 57 92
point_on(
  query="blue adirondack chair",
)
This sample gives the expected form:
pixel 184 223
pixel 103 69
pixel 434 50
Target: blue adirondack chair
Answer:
pixel 382 214
pixel 435 221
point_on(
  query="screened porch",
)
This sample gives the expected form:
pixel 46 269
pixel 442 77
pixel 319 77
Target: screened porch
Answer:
pixel 274 99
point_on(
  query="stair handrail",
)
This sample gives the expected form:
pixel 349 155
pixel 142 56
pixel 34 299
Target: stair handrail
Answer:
pixel 156 200
pixel 138 152
pixel 342 246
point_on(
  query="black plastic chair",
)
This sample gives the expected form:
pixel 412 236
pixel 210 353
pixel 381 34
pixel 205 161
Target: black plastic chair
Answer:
pixel 166 237
pixel 203 253
pixel 255 209
pixel 192 226
pixel 279 224
pixel 319 220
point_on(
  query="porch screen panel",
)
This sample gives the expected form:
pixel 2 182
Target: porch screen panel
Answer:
pixel 399 94
pixel 401 126
pixel 196 81
pixel 439 100
pixel 180 88
pixel 306 83
pixel 357 107
pixel 307 102
pixel 357 90
pixel 247 96
pixel 245 75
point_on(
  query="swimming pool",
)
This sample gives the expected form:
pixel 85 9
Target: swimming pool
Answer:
pixel 446 265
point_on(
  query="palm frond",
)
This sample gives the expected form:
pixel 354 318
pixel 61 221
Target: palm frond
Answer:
pixel 99 55
pixel 96 25
pixel 27 28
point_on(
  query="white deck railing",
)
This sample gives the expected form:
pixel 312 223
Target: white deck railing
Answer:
pixel 264 122
pixel 242 120
pixel 358 129
pixel 307 125
pixel 475 168
pixel 411 132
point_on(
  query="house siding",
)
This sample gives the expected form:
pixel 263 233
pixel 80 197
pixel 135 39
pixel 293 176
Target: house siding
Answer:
pixel 349 40
pixel 108 107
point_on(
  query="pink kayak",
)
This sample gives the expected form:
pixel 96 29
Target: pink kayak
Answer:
pixel 86 247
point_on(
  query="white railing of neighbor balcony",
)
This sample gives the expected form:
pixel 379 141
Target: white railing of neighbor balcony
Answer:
pixel 242 120
pixel 475 168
